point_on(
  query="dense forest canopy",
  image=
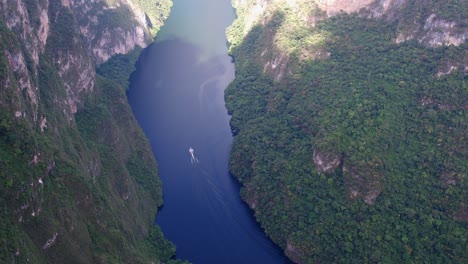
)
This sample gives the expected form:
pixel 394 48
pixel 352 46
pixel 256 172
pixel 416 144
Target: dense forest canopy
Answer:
pixel 351 146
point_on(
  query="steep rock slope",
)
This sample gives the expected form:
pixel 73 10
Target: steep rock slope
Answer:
pixel 350 123
pixel 78 182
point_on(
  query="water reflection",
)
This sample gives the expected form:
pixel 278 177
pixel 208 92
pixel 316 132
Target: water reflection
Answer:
pixel 177 95
pixel 202 23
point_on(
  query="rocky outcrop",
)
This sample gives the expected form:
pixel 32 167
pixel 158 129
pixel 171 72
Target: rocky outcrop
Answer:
pixel 451 178
pixel 435 32
pixel 22 79
pixel 294 253
pixel 362 181
pixel 462 214
pixel 333 7
pixel 29 20
pixel 326 162
pixel 105 39
pixel 440 32
pixel 428 28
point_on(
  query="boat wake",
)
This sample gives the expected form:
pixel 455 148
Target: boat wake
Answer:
pixel 193 159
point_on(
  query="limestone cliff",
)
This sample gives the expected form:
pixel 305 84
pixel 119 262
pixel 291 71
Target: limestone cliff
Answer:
pixel 428 23
pixel 431 25
pixel 76 186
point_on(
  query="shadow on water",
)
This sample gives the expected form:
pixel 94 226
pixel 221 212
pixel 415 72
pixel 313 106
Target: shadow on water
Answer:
pixel 179 102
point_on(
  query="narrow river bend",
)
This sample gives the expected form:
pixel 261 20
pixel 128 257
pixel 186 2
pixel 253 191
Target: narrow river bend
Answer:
pixel 177 95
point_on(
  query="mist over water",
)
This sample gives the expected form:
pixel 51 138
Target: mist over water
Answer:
pixel 201 23
pixel 177 95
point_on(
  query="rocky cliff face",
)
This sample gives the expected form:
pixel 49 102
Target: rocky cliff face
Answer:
pixel 83 33
pixel 431 25
pixel 75 186
pixel 112 27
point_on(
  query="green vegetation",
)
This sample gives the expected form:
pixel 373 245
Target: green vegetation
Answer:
pixel 120 66
pixel 397 128
pixel 75 187
pixel 103 171
pixel 156 12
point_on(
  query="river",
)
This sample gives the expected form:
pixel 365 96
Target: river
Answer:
pixel 177 95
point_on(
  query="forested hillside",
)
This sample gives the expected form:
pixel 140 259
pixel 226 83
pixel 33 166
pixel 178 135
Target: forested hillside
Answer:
pixel 78 181
pixel 351 122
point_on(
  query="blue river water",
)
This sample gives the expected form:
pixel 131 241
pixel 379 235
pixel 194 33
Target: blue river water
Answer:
pixel 177 95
